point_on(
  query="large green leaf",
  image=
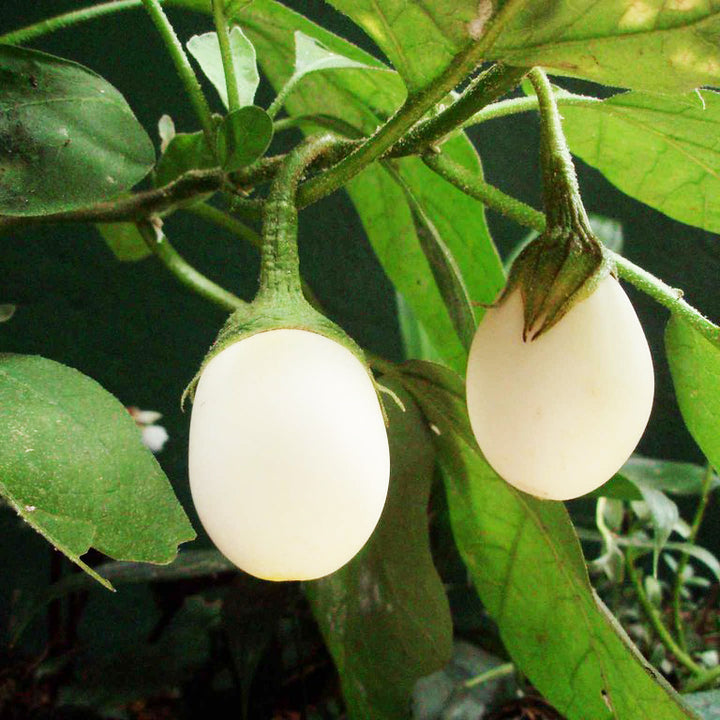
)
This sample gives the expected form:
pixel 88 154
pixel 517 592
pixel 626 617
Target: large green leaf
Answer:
pixel 364 98
pixel 526 562
pixel 67 137
pixel 662 150
pixel 650 45
pixel 695 368
pixel 73 465
pixel 385 615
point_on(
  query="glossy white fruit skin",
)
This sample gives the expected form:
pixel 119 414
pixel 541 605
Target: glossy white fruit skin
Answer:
pixel 558 416
pixel 289 458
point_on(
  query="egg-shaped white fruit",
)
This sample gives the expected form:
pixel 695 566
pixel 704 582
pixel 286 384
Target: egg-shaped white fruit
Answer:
pixel 557 416
pixel 289 457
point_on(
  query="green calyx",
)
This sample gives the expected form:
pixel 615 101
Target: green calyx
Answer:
pixel 567 262
pixel 280 303
pixel 554 272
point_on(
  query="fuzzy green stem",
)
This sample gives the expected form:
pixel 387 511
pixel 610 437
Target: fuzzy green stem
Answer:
pixel 685 557
pixel 514 106
pixel 276 105
pixel 485 88
pixel 280 265
pixel 60 22
pixel 492 674
pixel 523 214
pixel 412 110
pixel 183 67
pixel 325 122
pixel 221 28
pixel 656 621
pixel 702 681
pixel 157 242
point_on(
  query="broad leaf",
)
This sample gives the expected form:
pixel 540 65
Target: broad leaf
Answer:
pixel 650 45
pixel 125 241
pixel 73 465
pixel 186 151
pixel 419 38
pixel 663 151
pixel 206 50
pixel 365 98
pixel 243 137
pixel 67 137
pixel 695 368
pixel 527 565
pixel 385 615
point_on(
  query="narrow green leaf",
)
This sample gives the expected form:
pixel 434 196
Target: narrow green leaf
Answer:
pixel 243 137
pixel 73 465
pixel 125 241
pixel 527 565
pixel 385 615
pixel 186 151
pixel 661 150
pixel 310 56
pixel 664 516
pixel 206 50
pixel 650 45
pixel 415 339
pixel 695 369
pixel 67 137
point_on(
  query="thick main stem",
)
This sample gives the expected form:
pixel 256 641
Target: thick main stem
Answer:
pixel 280 265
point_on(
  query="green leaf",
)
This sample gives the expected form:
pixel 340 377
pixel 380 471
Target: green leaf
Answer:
pixel 73 465
pixel 676 478
pixel 706 703
pixel 125 241
pixel 650 45
pixel 365 98
pixel 243 137
pixel 695 369
pixel 385 615
pixel 206 50
pixel 420 38
pixel 660 150
pixel 186 151
pixel 310 56
pixel 67 137
pixel 526 562
pixel 416 342
pixel 664 516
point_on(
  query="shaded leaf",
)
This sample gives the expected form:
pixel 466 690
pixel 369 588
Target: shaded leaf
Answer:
pixel 186 151
pixel 385 615
pixel 67 137
pixel 650 45
pixel 526 562
pixel 676 478
pixel 661 150
pixel 695 369
pixel 73 465
pixel 125 241
pixel 206 50
pixel 243 137
pixel 311 56
pixel 416 342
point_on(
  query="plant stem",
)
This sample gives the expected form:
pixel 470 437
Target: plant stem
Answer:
pixel 702 681
pixel 221 27
pixel 514 106
pixel 59 22
pixel 525 215
pixel 279 101
pixel 412 110
pixel 157 242
pixel 326 122
pixel 280 265
pixel 656 621
pixel 183 67
pixel 684 557
pixel 492 674
pixel 228 222
pixel 485 88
